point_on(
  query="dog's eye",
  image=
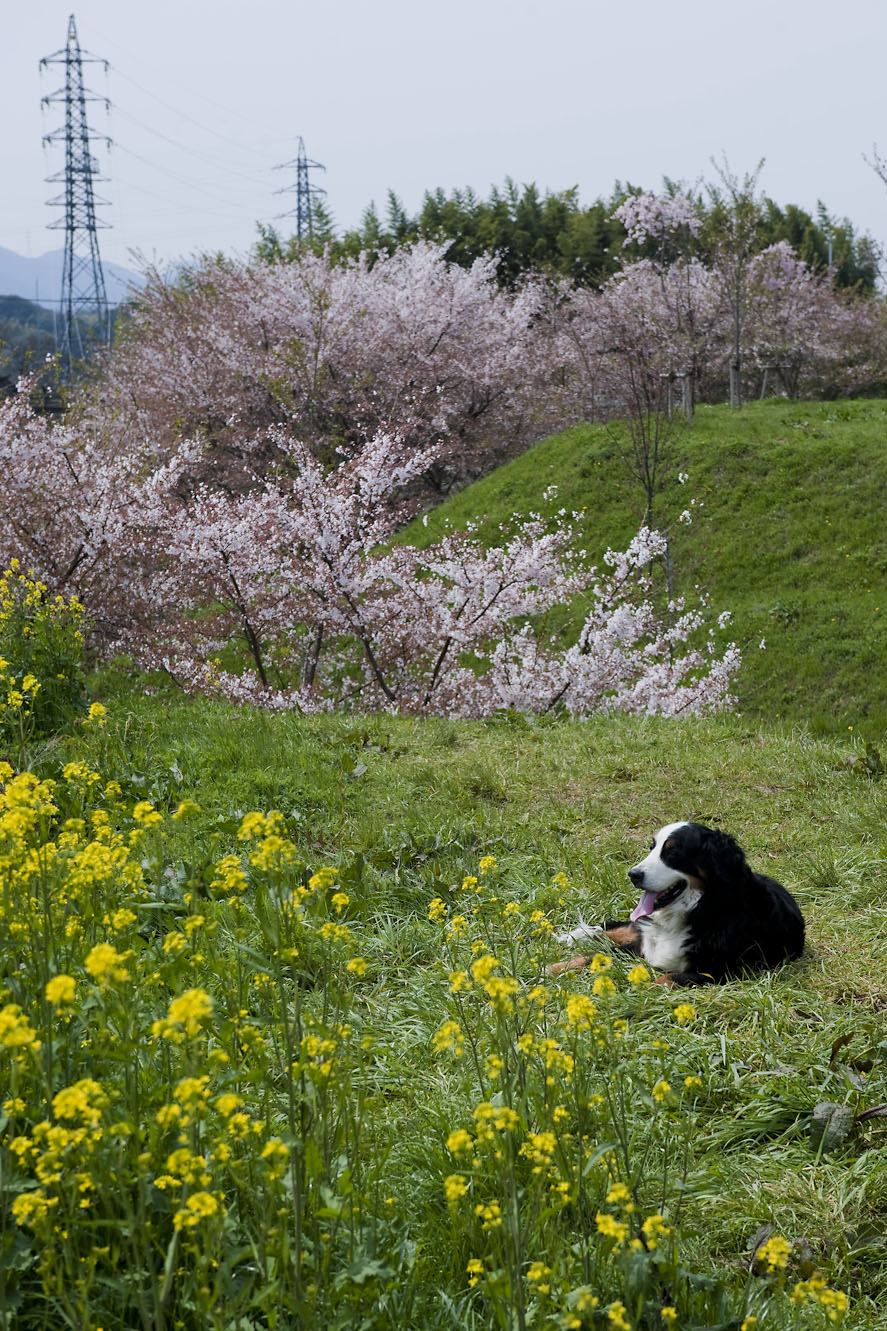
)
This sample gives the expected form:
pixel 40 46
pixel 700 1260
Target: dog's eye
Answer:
pixel 669 845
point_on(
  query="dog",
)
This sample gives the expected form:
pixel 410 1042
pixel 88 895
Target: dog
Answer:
pixel 703 915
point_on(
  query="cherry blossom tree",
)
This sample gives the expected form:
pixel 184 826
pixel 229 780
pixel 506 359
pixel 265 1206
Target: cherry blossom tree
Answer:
pixel 655 324
pixel 292 594
pixel 65 498
pixel 337 352
pixel 331 616
pixel 801 332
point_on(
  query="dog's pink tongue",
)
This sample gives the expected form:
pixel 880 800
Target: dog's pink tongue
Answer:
pixel 644 906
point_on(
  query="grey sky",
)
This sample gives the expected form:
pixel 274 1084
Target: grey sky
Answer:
pixel 209 95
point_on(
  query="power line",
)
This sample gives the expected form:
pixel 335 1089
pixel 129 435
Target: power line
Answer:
pixel 184 147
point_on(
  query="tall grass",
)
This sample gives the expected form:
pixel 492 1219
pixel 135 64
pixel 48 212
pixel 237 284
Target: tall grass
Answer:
pixel 305 1067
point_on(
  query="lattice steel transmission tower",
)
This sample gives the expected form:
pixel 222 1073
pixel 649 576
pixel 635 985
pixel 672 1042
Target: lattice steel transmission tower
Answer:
pixel 304 191
pixel 84 315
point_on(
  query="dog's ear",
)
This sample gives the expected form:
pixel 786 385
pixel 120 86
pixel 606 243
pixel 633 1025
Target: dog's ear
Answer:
pixel 721 857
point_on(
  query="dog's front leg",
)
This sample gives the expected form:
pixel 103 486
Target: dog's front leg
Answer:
pixel 581 933
pixel 622 933
pixel 574 964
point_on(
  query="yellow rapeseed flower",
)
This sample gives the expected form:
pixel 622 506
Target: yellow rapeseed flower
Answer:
pixel 32 1208
pixel 200 1206
pixel 185 809
pixel 60 989
pixel 185 1016
pixel 84 1102
pixel 619 1195
pixel 475 1269
pixel 618 1318
pixel 580 1011
pixel 653 1229
pixel 276 1155
pixel 105 964
pixel 455 1188
pixel 774 1254
pixel 490 1214
pixel 15 1030
pixel 449 1037
pixel 539 1274
pixel 611 1228
pixel 459 1141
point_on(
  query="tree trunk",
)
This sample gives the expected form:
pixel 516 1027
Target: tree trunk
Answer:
pixel 735 390
pixel 687 395
pixel 312 654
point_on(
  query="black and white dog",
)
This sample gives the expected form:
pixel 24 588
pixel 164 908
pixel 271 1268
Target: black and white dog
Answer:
pixel 703 915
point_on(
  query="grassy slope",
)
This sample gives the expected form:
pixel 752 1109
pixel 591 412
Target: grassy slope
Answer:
pixel 421 801
pixel 792 538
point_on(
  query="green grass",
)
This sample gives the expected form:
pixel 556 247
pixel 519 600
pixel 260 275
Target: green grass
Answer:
pixel 406 808
pixel 791 538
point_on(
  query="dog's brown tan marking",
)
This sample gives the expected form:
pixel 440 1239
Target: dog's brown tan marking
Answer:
pixel 625 935
pixel 574 964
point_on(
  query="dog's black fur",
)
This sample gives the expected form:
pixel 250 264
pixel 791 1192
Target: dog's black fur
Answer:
pixel 704 915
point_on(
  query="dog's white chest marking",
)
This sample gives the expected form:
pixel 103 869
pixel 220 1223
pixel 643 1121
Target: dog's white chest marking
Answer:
pixel 665 934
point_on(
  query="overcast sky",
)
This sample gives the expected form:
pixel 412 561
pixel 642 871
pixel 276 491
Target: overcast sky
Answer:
pixel 209 95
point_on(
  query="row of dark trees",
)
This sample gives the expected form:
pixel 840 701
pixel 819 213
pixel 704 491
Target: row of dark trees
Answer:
pixel 554 233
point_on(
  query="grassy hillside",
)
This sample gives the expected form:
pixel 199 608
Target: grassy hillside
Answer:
pixel 792 538
pixel 297 1069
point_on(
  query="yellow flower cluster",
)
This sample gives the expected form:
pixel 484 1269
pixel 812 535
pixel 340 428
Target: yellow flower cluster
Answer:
pixel 489 1214
pixel 490 1121
pixel 460 1141
pixel 185 1016
pixel 106 965
pixel 580 1012
pixel 834 1302
pixel 60 990
pixel 455 1188
pixel 199 1207
pixel 611 1228
pixel 228 880
pixel 15 1030
pixel 774 1254
pixel 539 1147
pixel 539 1274
pixel 449 1038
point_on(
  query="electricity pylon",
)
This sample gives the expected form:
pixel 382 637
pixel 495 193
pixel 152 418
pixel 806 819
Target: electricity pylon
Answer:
pixel 304 190
pixel 84 316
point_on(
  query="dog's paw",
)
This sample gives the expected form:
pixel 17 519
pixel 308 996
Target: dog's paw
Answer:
pixel 562 967
pixel 580 933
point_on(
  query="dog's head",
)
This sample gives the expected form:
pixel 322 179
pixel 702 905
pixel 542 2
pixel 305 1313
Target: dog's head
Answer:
pixel 685 855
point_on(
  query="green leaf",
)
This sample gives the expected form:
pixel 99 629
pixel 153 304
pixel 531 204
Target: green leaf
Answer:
pixel 830 1125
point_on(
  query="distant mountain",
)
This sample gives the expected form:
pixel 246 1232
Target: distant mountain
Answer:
pixel 41 279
